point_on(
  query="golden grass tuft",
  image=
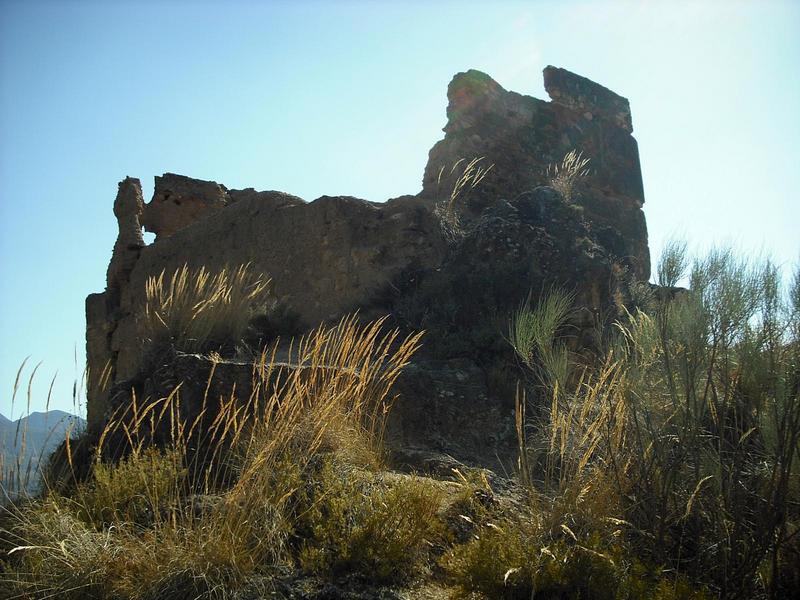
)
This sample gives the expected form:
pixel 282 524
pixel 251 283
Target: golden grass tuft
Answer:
pixel 466 180
pixel 565 176
pixel 192 308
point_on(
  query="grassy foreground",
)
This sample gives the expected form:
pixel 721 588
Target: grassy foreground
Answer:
pixel 665 465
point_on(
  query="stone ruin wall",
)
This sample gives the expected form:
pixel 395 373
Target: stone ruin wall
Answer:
pixel 332 255
pixel 522 136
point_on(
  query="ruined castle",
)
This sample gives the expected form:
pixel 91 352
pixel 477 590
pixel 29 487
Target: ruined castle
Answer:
pixel 334 255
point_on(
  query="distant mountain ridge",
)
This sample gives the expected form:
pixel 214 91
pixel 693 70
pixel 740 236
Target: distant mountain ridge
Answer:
pixel 28 440
pixel 35 424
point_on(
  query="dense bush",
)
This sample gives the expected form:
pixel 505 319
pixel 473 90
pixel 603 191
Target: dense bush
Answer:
pixel 353 522
pixel 694 420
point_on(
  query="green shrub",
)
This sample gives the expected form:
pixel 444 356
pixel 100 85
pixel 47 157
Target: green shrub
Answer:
pixel 693 419
pixel 710 391
pixel 516 560
pixel 353 522
pixel 512 560
pixel 499 562
pixel 137 490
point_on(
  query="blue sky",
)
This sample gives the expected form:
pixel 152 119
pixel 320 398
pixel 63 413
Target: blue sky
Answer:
pixel 319 98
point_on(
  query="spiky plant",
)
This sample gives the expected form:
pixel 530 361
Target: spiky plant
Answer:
pixel 565 176
pixel 448 209
pixel 193 309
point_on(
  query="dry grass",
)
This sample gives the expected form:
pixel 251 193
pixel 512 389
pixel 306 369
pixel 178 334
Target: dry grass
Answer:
pixel 566 176
pixel 187 523
pixel 194 309
pixel 21 466
pixel 468 175
pixel 667 470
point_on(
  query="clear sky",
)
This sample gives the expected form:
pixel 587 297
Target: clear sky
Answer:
pixel 346 98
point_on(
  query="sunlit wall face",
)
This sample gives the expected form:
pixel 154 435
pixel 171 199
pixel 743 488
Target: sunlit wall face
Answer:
pixel 320 98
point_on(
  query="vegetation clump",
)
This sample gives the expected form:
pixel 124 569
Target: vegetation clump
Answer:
pixel 566 176
pixel 380 530
pixel 686 432
pixel 464 180
pixel 664 465
pixel 196 310
pixel 219 504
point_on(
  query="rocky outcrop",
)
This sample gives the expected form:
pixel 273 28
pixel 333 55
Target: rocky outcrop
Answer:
pixel 128 209
pixel 179 201
pixel 103 310
pixel 522 136
pixel 335 255
pixel 588 98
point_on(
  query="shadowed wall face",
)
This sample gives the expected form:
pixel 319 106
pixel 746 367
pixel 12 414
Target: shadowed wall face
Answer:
pixel 522 136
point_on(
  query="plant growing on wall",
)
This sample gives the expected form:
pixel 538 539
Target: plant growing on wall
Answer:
pixel 470 177
pixel 564 177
